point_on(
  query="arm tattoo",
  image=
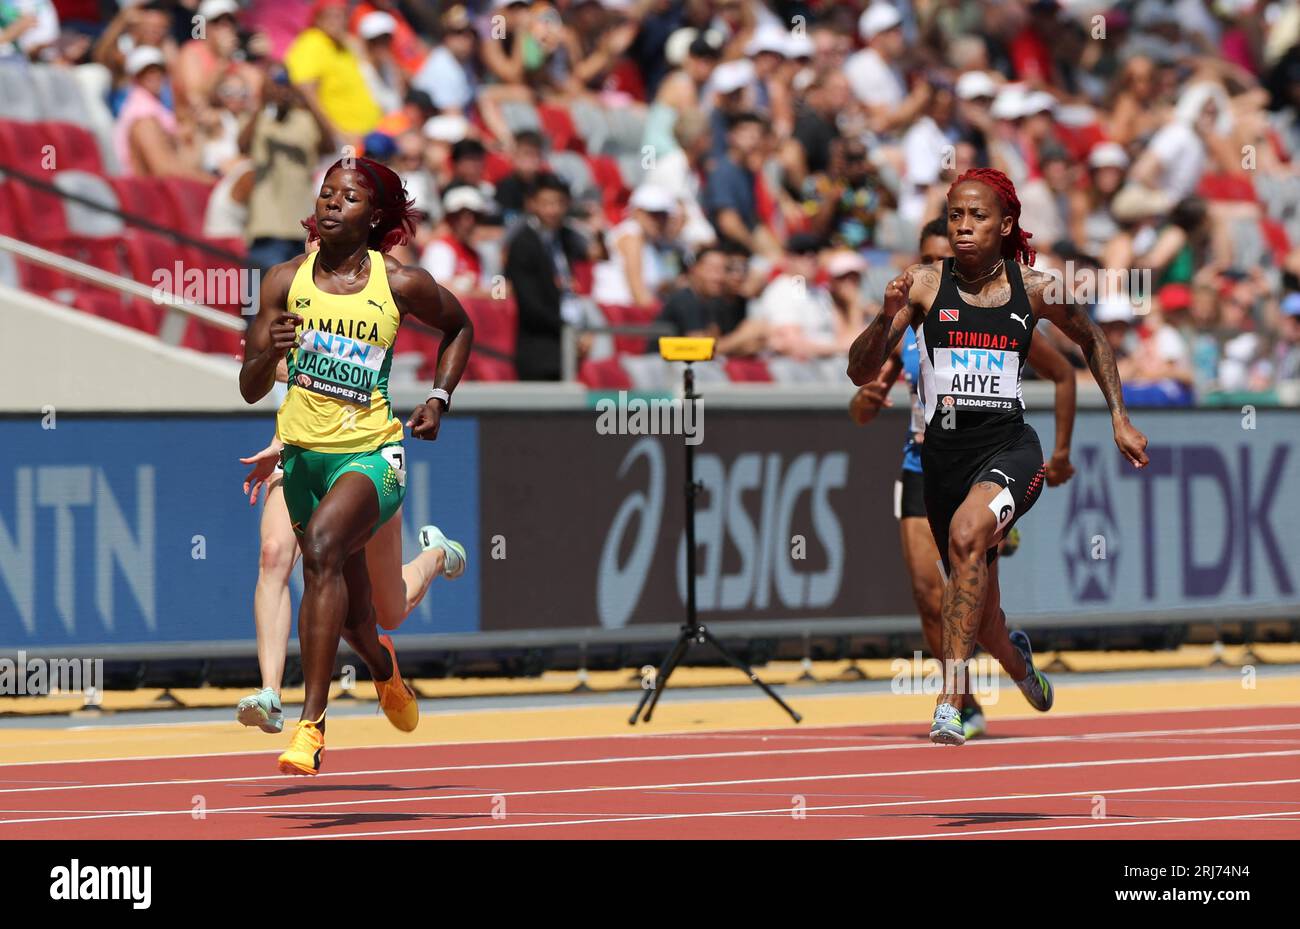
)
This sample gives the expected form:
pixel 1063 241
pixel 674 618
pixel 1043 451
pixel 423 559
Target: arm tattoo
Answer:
pixel 882 335
pixel 1079 326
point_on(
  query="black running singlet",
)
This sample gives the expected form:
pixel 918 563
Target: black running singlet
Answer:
pixel 971 363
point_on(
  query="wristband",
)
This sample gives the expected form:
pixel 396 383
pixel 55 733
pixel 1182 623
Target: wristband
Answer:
pixel 439 394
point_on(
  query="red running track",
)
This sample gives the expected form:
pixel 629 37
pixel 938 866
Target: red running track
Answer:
pixel 1221 773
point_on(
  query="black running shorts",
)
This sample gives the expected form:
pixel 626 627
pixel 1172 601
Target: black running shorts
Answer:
pixel 909 495
pixel 1016 465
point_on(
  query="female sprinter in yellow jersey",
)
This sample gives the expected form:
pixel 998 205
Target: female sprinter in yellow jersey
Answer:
pixel 334 315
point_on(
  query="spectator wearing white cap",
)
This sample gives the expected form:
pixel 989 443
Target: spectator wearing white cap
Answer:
pixel 449 74
pixel 452 256
pixel 730 90
pixel 769 49
pixel 875 74
pixel 147 137
pixel 797 309
pixel 845 270
pixel 379 66
pixel 639 265
pixel 202 63
pixel 681 90
pixel 1091 222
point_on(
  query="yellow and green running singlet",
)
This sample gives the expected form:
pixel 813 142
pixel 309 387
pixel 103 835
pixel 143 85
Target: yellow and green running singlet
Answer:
pixel 338 373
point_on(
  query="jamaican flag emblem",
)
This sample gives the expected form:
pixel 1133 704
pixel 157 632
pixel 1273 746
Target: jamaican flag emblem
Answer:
pixel 302 303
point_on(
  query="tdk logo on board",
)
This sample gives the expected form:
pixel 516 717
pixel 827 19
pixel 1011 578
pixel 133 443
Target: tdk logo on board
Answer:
pixel 103 882
pixel 1091 521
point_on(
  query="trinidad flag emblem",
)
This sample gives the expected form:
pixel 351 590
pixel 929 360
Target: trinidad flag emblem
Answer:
pixel 948 316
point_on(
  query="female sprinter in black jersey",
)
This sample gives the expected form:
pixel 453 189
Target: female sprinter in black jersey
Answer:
pixel 974 317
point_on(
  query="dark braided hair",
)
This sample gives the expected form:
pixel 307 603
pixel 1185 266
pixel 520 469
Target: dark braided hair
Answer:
pixel 1016 245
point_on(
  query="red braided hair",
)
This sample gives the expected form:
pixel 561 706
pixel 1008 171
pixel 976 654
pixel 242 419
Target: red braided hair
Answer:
pixel 1016 245
pixel 388 197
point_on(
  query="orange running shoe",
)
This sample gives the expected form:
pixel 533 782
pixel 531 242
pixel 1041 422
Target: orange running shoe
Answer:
pixel 306 749
pixel 396 699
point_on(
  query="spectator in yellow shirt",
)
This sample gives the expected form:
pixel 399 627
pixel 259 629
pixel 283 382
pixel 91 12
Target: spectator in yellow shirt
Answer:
pixel 328 72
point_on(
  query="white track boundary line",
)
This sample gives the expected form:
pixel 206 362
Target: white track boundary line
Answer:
pixel 1147 822
pixel 756 731
pixel 786 812
pixel 635 759
pixel 623 788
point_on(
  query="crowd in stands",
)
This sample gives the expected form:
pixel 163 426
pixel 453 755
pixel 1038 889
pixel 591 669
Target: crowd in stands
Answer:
pixel 752 169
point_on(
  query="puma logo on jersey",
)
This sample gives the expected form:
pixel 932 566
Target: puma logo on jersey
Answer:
pixel 1024 322
pixel 378 306
pixel 1010 480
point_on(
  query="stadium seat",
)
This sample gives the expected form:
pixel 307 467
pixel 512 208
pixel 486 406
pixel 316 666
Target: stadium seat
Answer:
pixel 59 96
pixel 626 130
pixel 84 220
pixel 748 370
pixel 604 375
pixel 520 116
pixel 497 166
pixel 558 127
pixel 28 146
pixel 577 173
pixel 609 180
pixel 589 120
pixel 146 198
pixel 630 316
pixel 76 148
pixel 626 78
pixel 631 170
pixel 38 213
pixel 212 340
pixel 189 202
pixel 16 98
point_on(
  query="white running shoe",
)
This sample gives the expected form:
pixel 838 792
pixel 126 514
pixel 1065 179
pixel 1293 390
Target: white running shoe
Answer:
pixel 262 710
pixel 454 557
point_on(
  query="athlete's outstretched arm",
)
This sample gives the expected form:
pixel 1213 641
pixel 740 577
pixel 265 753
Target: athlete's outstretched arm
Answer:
pixel 1052 365
pixel 873 395
pixel 437 307
pixel 875 343
pixel 1072 319
pixel 273 332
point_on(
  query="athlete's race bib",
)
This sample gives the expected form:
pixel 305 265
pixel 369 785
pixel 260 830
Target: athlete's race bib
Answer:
pixel 336 366
pixel 977 378
pixel 396 458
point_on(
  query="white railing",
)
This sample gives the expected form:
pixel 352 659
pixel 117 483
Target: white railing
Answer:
pixel 179 310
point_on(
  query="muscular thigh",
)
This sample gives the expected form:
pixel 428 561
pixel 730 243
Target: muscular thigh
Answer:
pixel 345 517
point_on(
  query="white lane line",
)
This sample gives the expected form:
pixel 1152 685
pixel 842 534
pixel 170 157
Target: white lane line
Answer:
pixel 911 744
pixel 622 788
pixel 761 732
pixel 1143 822
pixel 786 811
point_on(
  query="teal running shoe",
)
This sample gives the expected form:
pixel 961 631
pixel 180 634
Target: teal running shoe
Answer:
pixel 262 710
pixel 947 727
pixel 972 722
pixel 1036 687
pixel 454 557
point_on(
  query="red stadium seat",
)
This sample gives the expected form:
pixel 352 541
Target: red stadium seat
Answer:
pixel 610 181
pixel 558 127
pixel 29 147
pixel 604 375
pixel 38 214
pixel 189 201
pixel 145 197
pixel 496 167
pixel 748 370
pixel 75 148
pixel 630 316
